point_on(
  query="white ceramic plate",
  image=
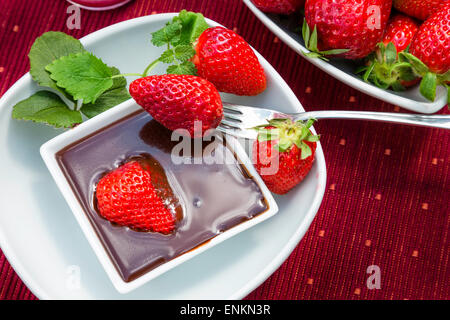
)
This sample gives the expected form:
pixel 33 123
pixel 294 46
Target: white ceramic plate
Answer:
pixel 342 70
pixel 45 245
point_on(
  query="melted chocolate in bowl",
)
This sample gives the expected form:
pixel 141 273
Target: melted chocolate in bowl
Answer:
pixel 207 199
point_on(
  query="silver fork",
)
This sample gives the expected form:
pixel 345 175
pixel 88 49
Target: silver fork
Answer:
pixel 238 120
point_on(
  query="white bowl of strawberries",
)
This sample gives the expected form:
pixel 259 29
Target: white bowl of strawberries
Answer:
pixel 396 51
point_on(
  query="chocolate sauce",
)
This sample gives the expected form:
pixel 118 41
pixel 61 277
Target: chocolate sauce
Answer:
pixel 207 199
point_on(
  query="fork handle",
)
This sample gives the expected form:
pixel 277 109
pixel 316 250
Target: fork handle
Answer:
pixel 436 121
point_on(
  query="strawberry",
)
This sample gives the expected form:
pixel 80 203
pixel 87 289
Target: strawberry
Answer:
pixel 126 196
pixel 383 68
pixel 420 9
pixel 224 58
pixel 279 6
pixel 178 101
pixel 283 153
pixel 349 29
pixel 400 31
pixel 429 52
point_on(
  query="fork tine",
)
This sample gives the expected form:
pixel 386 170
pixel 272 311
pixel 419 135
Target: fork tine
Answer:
pixel 233 117
pixel 232 108
pixel 246 134
pixel 233 124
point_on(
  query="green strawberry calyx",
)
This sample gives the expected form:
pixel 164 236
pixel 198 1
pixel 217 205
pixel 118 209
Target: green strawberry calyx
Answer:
pixel 311 41
pixel 430 80
pixel 288 133
pixel 384 69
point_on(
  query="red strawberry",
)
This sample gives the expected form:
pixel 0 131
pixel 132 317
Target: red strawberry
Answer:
pixel 400 31
pixel 429 52
pixel 279 6
pixel 224 58
pixel 284 153
pixel 432 42
pixel 354 26
pixel 127 197
pixel 420 9
pixel 383 68
pixel 178 101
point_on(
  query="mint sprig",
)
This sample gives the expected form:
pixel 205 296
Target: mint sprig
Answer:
pixel 60 63
pixel 178 35
pixel 81 84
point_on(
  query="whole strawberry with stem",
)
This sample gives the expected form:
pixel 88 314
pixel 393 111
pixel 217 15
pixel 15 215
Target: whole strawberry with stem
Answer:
pixel 383 68
pixel 352 27
pixel 225 59
pixel 429 52
pixel 279 6
pixel 283 153
pixel 180 102
pixel 420 9
pixel 126 196
pixel 217 54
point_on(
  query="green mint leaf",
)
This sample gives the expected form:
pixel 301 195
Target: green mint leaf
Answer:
pixel 46 107
pixel 186 67
pixel 83 75
pixel 109 99
pixel 118 82
pixel 193 24
pixel 168 34
pixel 47 48
pixel 184 52
pixel 117 94
pixel 167 56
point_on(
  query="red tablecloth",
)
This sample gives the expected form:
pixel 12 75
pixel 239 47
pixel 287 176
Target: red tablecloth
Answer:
pixel 387 196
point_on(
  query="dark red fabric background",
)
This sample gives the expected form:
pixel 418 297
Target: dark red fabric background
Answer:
pixel 387 196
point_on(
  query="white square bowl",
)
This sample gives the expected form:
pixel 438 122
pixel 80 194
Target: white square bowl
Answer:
pixel 342 70
pixel 48 153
